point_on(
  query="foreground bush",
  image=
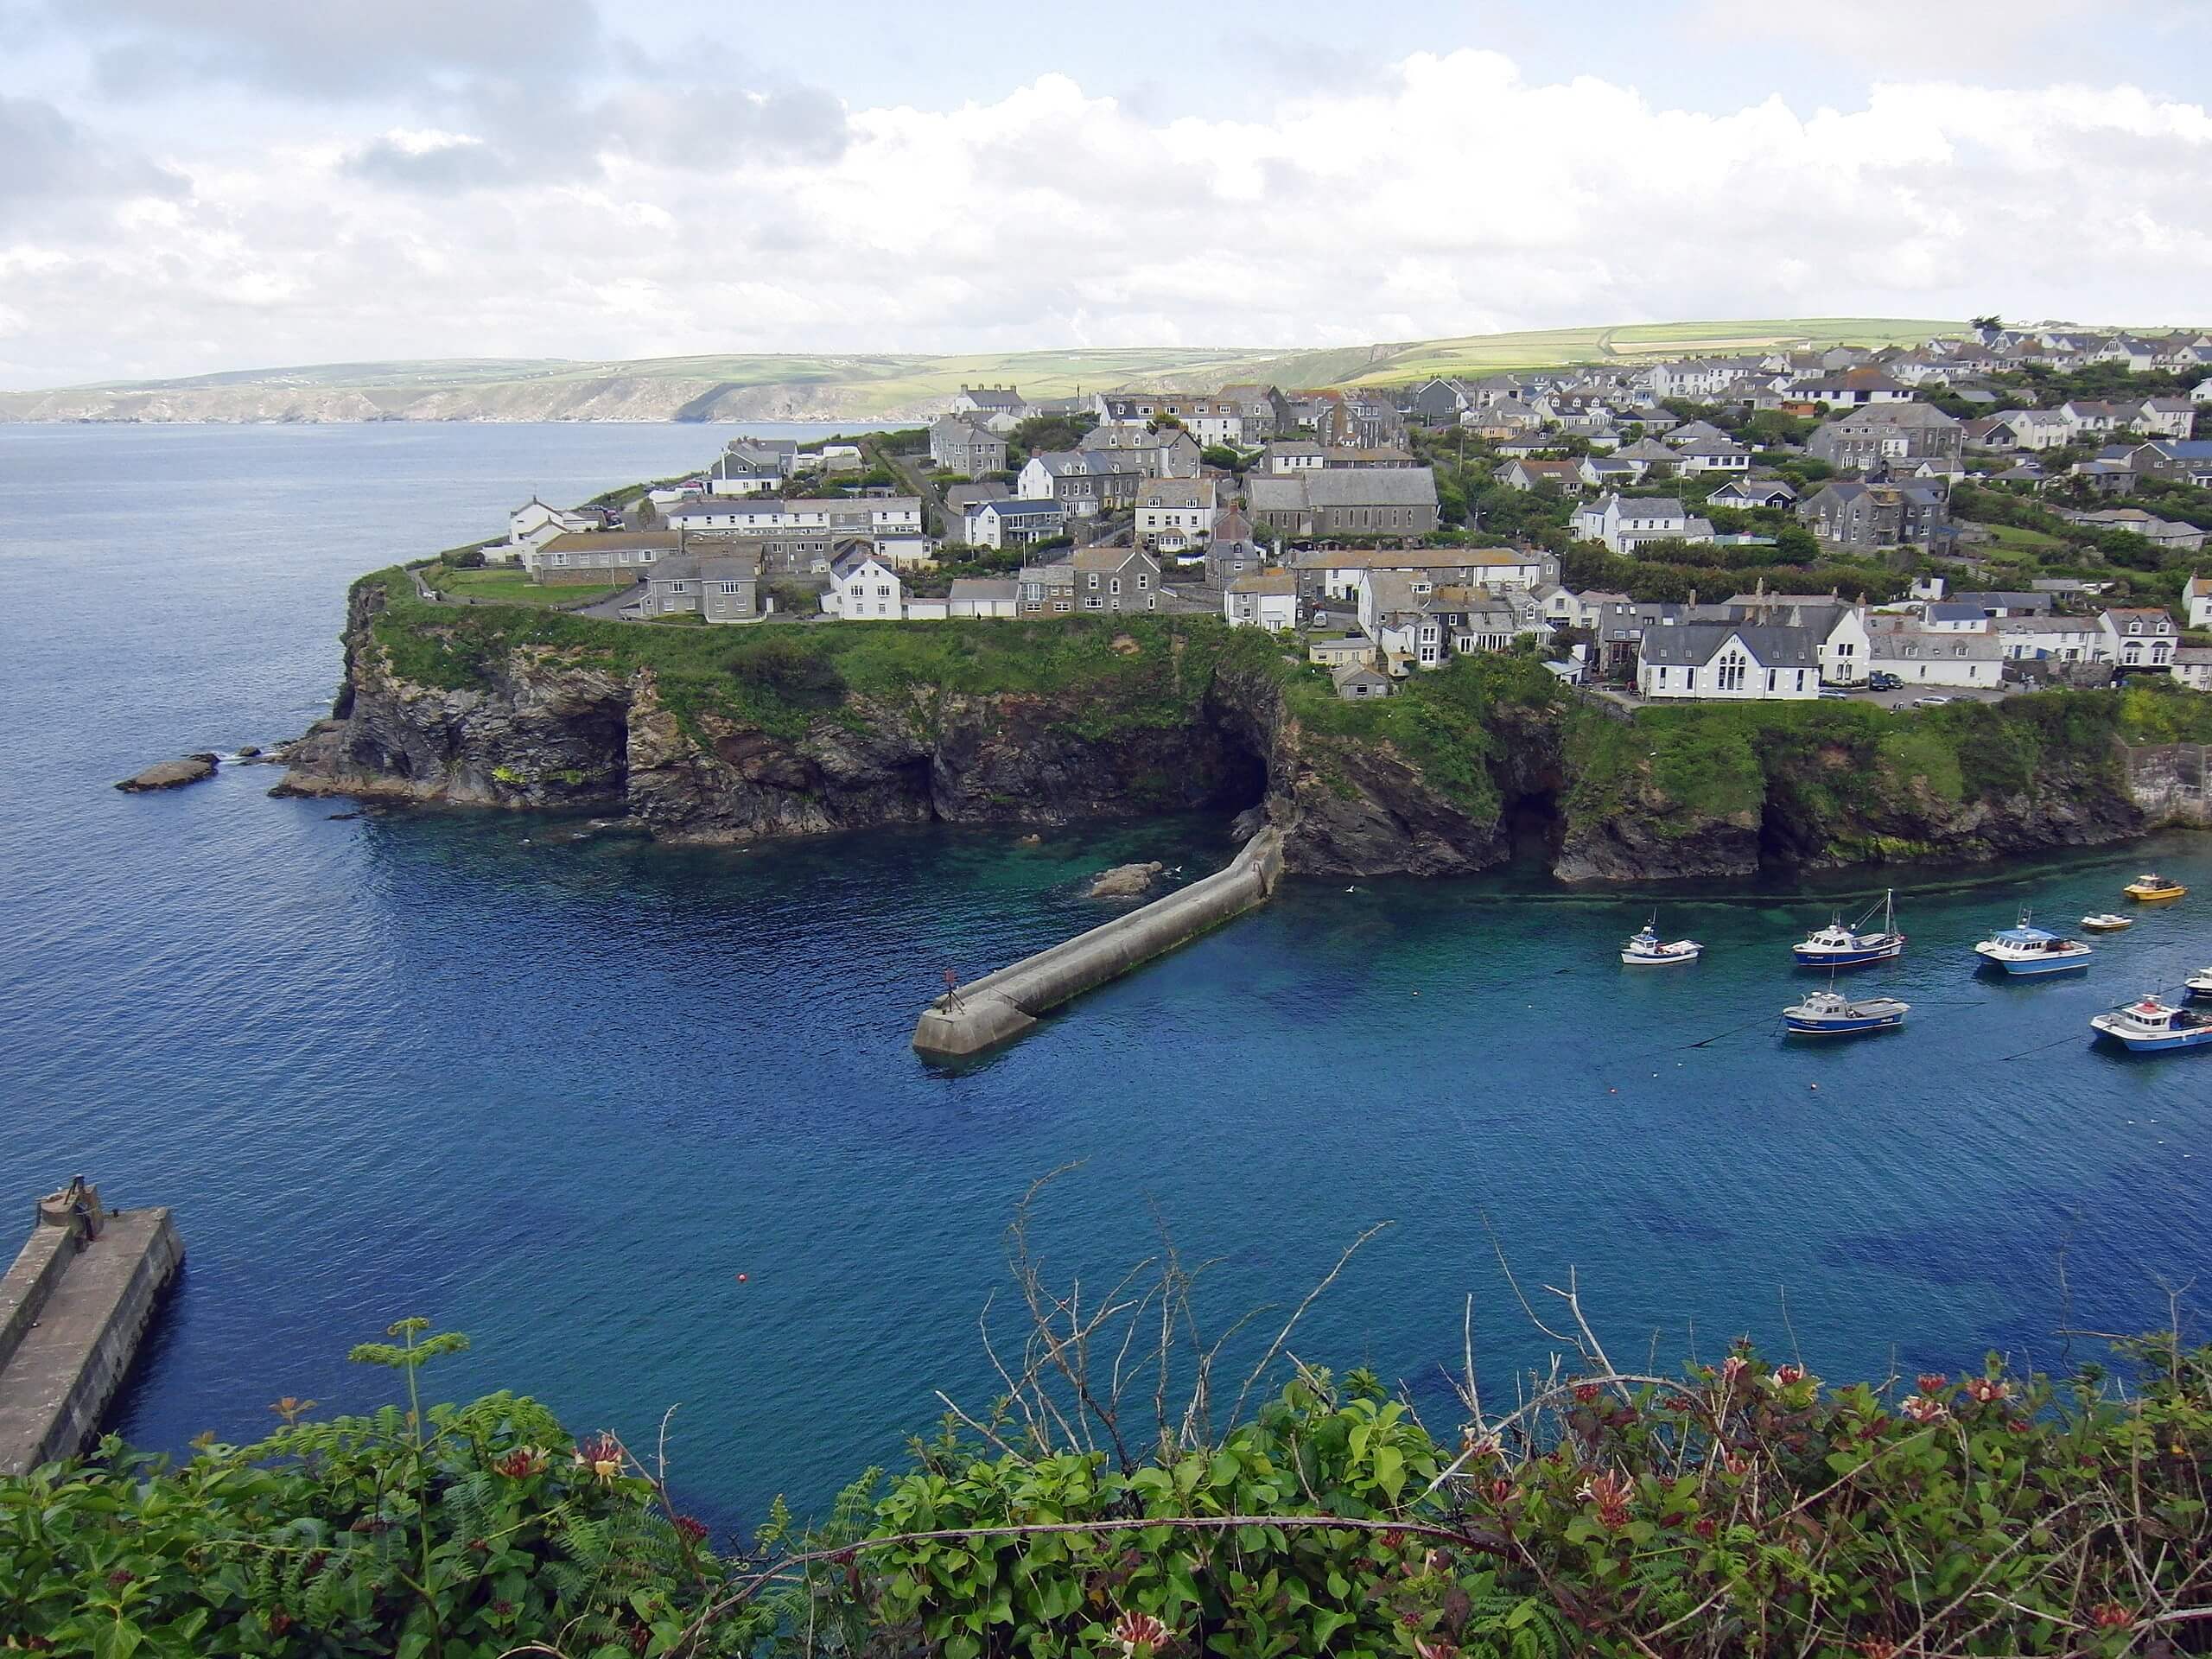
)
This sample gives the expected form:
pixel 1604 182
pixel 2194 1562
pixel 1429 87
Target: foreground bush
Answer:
pixel 1741 1508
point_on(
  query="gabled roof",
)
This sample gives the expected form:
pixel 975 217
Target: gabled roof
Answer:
pixel 1694 644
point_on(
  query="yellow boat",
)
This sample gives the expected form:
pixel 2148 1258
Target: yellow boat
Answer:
pixel 2151 888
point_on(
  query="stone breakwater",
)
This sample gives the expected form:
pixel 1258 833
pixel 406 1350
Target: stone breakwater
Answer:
pixel 1002 1006
pixel 73 1310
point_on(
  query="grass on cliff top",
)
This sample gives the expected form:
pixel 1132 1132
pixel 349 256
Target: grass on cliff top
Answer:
pixel 1844 758
pixel 1445 721
pixel 1115 674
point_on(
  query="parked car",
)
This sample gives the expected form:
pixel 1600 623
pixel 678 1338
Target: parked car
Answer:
pixel 1882 680
pixel 1929 702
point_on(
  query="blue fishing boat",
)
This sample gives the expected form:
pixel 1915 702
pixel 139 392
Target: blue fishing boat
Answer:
pixel 2150 1026
pixel 2030 950
pixel 1838 946
pixel 1831 1013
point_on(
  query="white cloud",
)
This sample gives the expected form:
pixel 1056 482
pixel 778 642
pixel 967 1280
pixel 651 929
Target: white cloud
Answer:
pixel 1456 196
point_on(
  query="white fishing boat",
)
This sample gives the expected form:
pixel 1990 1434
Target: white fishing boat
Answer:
pixel 2199 983
pixel 2151 1026
pixel 1838 946
pixel 2028 951
pixel 1647 949
pixel 2106 921
pixel 1831 1013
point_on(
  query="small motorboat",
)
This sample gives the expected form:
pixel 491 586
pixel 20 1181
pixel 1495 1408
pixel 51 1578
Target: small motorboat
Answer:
pixel 1831 1013
pixel 2199 983
pixel 1646 948
pixel 2151 888
pixel 2107 922
pixel 1838 946
pixel 2027 949
pixel 2150 1025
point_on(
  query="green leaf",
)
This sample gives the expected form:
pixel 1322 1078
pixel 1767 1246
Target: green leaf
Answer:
pixel 1391 1469
pixel 116 1638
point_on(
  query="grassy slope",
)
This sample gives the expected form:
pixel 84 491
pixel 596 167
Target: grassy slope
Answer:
pixel 867 384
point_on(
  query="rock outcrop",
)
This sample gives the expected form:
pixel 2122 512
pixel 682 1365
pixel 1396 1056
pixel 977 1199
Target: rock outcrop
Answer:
pixel 1125 880
pixel 171 774
pixel 532 724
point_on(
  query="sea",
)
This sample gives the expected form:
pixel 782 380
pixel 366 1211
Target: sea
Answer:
pixel 646 1124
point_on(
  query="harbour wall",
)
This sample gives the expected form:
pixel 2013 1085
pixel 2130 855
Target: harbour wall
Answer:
pixel 73 1310
pixel 1005 1004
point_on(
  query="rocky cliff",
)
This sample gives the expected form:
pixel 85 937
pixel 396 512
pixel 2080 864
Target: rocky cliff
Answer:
pixel 1469 768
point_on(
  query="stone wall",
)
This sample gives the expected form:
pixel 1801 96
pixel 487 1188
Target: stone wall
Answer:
pixel 2168 781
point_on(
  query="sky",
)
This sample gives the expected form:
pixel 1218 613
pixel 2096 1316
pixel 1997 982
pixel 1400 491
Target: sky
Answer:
pixel 191 185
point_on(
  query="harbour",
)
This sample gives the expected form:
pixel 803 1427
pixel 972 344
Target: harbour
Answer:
pixel 557 1093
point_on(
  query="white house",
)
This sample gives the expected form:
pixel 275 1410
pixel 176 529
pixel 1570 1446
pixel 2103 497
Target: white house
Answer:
pixel 1175 514
pixel 2193 667
pixel 984 596
pixel 1004 522
pixel 532 525
pixel 2135 637
pixel 862 586
pixel 1735 662
pixel 1624 523
pixel 1261 599
pixel 1962 658
pixel 2196 594
pixel 2050 639
pixel 1720 454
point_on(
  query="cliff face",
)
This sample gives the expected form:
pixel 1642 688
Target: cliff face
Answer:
pixel 539 725
pixel 551 729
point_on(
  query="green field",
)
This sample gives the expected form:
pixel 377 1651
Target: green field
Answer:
pixel 868 386
pixel 512 586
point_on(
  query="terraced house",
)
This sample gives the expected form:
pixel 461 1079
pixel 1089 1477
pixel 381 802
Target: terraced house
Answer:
pixel 1115 581
pixel 1865 517
pixel 1889 434
pixel 1175 515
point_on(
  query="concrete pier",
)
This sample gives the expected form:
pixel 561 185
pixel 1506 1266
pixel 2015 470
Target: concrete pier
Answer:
pixel 1003 1005
pixel 73 1310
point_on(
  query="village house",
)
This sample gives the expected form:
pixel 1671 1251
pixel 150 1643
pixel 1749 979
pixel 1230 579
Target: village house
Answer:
pixel 1716 454
pixel 1013 523
pixel 1838 628
pixel 2050 639
pixel 1231 549
pixel 1439 402
pixel 864 588
pixel 1398 613
pixel 1851 388
pixel 1565 476
pixel 1866 517
pixel 959 447
pixel 532 525
pixel 1624 523
pixel 974 596
pixel 959 498
pixel 1889 436
pixel 1334 650
pixel 998 409
pixel 1170 453
pixel 1353 421
pixel 599 555
pixel 1175 515
pixel 1745 493
pixel 751 467
pixel 1951 652
pixel 2159 532
pixel 1084 481
pixel 1336 573
pixel 2166 418
pixel 2136 637
pixel 1115 581
pixel 2193 667
pixel 1267 412
pixel 1261 599
pixel 1729 661
pixel 1398 502
pixel 1292 455
pixel 1356 681
pixel 2197 600
pixel 720 587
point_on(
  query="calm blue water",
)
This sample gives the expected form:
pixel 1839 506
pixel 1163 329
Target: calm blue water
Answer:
pixel 558 1093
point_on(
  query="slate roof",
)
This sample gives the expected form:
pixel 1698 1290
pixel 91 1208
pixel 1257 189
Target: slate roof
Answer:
pixel 1694 644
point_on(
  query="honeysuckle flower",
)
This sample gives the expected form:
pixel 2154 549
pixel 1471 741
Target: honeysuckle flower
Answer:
pixel 1134 1630
pixel 1986 1390
pixel 1788 1376
pixel 1436 1560
pixel 1501 1490
pixel 522 1462
pixel 601 1455
pixel 1733 1366
pixel 1933 1383
pixel 2111 1616
pixel 1610 1492
pixel 1479 1448
pixel 1424 1648
pixel 1586 1392
pixel 1877 1647
pixel 1924 1410
pixel 1735 1465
